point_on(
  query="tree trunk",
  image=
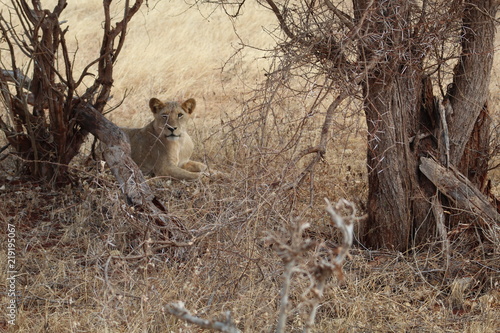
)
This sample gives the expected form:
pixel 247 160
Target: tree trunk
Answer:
pixel 469 91
pixel 391 102
pixel 390 162
pixel 403 117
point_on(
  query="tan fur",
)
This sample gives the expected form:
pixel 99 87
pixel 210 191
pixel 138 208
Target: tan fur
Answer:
pixel 163 147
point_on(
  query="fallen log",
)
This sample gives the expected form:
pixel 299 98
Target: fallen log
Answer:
pixel 462 192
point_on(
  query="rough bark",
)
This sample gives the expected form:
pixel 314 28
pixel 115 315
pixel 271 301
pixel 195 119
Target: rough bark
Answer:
pixel 404 121
pixel 392 93
pixel 389 165
pixel 469 91
pixel 475 159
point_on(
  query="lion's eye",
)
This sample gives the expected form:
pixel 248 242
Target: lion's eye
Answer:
pixel 165 116
pixel 181 115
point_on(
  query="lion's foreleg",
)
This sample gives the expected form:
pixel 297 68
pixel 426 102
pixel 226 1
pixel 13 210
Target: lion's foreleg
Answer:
pixel 194 166
pixel 178 173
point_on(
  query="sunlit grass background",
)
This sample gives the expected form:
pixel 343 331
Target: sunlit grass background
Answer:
pixel 176 50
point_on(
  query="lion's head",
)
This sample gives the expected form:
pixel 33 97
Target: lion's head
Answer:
pixel 171 117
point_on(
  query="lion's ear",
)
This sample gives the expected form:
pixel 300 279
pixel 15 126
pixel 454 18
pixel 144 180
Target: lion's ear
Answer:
pixel 155 104
pixel 189 105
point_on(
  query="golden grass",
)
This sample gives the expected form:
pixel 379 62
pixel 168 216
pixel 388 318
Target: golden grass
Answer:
pixel 176 50
pixel 80 251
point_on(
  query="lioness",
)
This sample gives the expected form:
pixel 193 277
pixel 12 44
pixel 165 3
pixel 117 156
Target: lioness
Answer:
pixel 163 147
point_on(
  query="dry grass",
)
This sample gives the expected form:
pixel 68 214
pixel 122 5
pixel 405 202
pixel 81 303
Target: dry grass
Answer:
pixel 82 253
pixel 177 50
pixel 75 275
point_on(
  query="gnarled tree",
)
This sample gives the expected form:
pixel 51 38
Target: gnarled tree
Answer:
pixel 395 56
pixel 406 121
pixel 49 109
pixel 40 90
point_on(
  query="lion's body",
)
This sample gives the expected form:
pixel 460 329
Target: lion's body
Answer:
pixel 163 147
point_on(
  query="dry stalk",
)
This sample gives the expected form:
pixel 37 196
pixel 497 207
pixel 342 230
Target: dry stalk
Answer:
pixel 290 256
pixel 438 212
pixel 320 266
pixel 325 268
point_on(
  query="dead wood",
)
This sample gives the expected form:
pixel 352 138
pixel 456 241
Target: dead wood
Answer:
pixel 462 192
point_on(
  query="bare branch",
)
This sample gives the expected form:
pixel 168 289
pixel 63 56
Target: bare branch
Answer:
pixel 108 53
pixel 179 311
pixel 281 20
pixel 16 77
pixel 345 18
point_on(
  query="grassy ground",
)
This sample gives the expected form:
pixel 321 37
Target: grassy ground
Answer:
pixel 84 257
